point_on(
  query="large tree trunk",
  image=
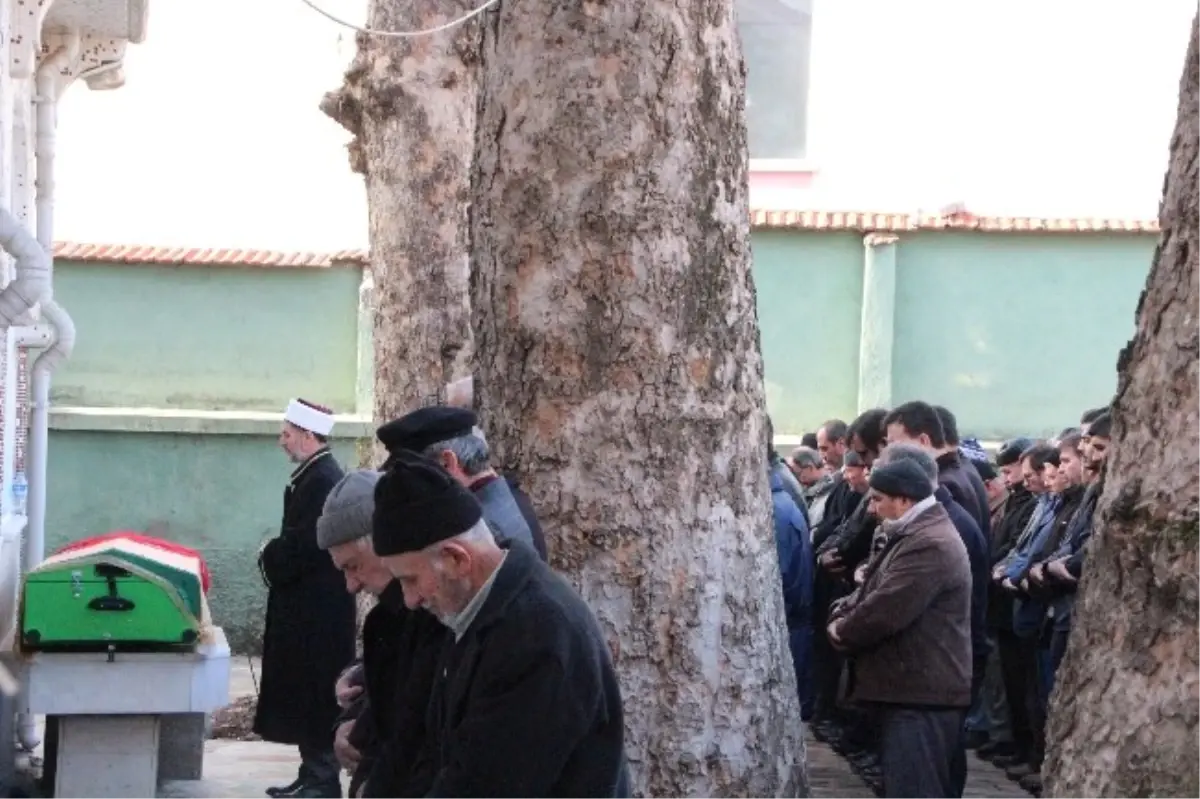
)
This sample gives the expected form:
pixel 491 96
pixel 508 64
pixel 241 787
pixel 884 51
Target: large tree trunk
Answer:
pixel 619 369
pixel 410 102
pixel 1124 717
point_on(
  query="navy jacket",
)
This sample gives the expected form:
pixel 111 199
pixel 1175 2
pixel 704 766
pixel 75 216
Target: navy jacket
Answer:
pixel 977 553
pixel 967 488
pixel 795 554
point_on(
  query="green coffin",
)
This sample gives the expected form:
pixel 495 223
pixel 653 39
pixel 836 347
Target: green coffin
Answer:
pixel 124 597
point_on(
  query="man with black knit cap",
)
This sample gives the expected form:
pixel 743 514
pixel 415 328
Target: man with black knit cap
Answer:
pixel 526 701
pixel 908 628
pixel 451 436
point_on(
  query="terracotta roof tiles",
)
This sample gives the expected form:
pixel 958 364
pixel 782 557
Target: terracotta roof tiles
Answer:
pixel 899 223
pixel 854 221
pixel 145 254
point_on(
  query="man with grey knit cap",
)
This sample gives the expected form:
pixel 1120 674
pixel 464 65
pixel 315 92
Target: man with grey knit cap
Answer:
pixel 908 628
pixel 382 730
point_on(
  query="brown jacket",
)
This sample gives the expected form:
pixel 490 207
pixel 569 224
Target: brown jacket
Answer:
pixel 908 627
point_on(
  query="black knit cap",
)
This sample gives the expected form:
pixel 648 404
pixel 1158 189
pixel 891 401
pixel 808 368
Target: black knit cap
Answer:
pixel 901 479
pixel 986 470
pixel 417 504
pixel 1010 451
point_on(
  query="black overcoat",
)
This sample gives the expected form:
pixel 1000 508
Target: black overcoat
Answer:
pixel 527 703
pixel 309 632
pixel 401 650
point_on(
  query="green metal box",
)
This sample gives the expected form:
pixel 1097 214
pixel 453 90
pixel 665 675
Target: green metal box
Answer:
pixel 111 599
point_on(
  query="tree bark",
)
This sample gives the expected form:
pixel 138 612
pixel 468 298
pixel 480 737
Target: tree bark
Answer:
pixel 410 103
pixel 1123 720
pixel 619 369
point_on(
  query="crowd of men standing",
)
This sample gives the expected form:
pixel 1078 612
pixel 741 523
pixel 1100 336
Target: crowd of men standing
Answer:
pixel 943 590
pixel 928 592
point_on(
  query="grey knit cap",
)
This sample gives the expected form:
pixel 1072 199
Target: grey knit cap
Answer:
pixel 348 509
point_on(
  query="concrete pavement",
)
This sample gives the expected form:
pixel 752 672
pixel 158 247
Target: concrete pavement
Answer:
pixel 246 768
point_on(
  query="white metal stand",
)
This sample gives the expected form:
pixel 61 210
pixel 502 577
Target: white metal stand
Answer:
pixel 109 714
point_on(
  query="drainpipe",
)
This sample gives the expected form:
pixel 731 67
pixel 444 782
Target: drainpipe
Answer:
pixel 30 280
pixel 46 102
pixel 30 286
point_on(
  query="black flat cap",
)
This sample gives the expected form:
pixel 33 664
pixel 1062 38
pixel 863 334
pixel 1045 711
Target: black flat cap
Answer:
pixel 425 426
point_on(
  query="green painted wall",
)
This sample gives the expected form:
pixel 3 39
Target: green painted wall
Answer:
pixel 809 288
pixel 222 494
pixel 1015 334
pixel 208 337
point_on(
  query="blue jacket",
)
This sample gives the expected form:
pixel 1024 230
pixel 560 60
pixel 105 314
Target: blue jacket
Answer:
pixel 796 562
pixel 977 554
pixel 1043 518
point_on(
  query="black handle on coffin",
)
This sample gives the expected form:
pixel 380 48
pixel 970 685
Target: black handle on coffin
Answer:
pixel 112 604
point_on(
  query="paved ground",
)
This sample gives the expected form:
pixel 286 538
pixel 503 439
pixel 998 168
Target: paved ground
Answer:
pixel 245 768
pixel 830 777
pixel 239 768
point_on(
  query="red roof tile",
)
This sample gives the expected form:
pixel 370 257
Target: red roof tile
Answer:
pixel 144 254
pixel 856 221
pixel 898 223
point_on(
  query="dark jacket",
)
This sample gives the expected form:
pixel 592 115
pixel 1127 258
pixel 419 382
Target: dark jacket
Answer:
pixel 908 626
pixel 1030 607
pixel 981 570
pixel 966 486
pixel 1019 508
pixel 526 507
pixel 1072 498
pixel 1082 533
pixel 527 702
pixel 401 649
pixel 851 540
pixel 508 512
pixel 309 633
pixel 795 554
pixel 842 502
pixel 1079 531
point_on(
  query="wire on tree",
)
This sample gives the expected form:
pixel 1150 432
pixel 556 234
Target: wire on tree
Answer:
pixel 400 34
